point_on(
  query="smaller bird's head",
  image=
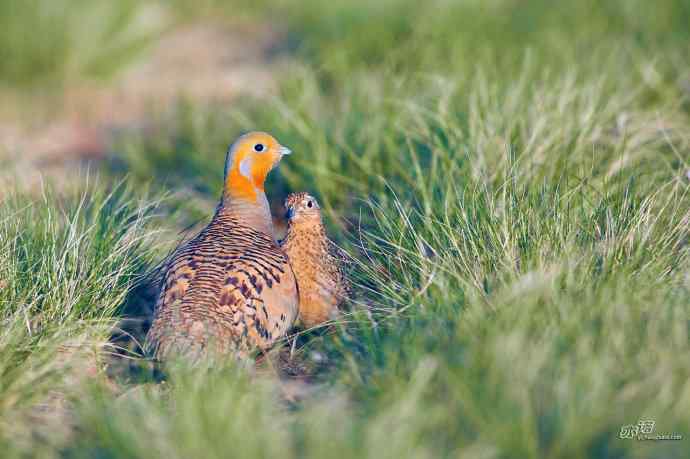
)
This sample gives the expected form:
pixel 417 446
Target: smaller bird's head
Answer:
pixel 302 207
pixel 250 158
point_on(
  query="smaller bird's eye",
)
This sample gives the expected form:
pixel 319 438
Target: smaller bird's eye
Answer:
pixel 259 147
pixel 310 204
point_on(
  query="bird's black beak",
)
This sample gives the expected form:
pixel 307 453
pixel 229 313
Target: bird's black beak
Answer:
pixel 290 213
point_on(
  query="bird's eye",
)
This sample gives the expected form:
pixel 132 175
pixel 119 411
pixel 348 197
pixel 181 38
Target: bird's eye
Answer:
pixel 310 204
pixel 259 147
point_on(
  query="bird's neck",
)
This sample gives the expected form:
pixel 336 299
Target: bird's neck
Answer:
pixel 244 198
pixel 252 211
pixel 311 230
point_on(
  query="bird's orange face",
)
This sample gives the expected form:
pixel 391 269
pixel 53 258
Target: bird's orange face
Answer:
pixel 302 207
pixel 249 161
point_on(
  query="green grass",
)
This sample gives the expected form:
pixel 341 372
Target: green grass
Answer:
pixel 66 267
pixel 48 43
pixel 512 180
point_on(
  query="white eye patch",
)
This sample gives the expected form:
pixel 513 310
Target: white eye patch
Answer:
pixel 246 167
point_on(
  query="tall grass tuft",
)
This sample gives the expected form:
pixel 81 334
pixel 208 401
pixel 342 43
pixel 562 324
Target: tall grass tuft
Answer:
pixel 67 264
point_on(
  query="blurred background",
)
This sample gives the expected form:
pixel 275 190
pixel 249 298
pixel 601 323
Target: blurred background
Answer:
pixel 509 176
pixel 157 89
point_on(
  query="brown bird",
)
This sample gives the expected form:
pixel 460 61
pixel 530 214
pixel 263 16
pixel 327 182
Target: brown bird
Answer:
pixel 316 261
pixel 230 289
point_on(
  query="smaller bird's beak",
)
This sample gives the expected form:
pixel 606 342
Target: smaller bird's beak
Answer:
pixel 284 150
pixel 290 213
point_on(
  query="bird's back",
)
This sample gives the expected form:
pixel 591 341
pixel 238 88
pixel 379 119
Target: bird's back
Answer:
pixel 228 290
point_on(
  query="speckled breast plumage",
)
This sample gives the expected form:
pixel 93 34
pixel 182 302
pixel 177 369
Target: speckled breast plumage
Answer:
pixel 318 269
